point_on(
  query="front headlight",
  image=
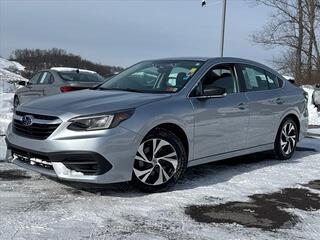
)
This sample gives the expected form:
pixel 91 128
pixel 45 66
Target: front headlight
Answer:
pixel 99 121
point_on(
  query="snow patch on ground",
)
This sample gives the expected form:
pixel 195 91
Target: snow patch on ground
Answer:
pixel 8 86
pixel 6 105
pixel 314 116
pixel 11 65
pixel 5 118
pixel 3 149
pixel 8 76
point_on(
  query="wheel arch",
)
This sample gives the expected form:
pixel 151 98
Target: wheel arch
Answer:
pixel 295 118
pixel 177 130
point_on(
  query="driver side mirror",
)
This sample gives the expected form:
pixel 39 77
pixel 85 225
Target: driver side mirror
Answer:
pixel 213 92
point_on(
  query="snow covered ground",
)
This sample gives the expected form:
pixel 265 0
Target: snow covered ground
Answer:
pixel 33 207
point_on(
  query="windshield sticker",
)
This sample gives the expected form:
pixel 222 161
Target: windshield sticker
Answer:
pixel 171 89
pixel 192 71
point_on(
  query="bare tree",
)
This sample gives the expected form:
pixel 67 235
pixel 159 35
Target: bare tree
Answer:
pixel 38 59
pixel 293 27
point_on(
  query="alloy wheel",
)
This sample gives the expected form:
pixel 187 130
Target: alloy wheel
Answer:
pixel 155 162
pixel 288 138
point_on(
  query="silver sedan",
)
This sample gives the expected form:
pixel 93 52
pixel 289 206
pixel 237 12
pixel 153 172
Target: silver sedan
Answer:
pixel 153 120
pixel 55 81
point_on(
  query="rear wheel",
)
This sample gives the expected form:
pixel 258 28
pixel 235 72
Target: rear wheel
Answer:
pixel 286 140
pixel 160 161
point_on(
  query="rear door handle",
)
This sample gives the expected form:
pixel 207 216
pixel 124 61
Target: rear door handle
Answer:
pixel 279 101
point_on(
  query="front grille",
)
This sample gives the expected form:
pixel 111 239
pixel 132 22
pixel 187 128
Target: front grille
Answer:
pixel 36 131
pixel 37 116
pixel 41 129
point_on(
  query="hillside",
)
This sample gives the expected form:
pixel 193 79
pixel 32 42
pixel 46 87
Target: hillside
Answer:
pixel 39 59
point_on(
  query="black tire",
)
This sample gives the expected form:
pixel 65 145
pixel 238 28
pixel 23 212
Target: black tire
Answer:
pixel 181 157
pixel 16 102
pixel 284 147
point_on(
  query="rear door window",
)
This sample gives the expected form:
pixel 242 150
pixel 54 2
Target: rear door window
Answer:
pixel 46 78
pixel 273 81
pixel 255 78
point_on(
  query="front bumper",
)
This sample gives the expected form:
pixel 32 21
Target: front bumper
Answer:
pixel 100 157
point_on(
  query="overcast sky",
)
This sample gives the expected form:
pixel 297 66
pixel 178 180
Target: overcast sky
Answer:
pixel 122 32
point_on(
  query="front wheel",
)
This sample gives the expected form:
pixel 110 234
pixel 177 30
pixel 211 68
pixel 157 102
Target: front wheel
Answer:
pixel 160 161
pixel 286 140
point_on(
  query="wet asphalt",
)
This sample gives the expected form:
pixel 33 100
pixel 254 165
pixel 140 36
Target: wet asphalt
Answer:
pixel 265 211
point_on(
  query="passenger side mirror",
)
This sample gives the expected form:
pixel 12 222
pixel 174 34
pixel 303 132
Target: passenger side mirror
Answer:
pixel 22 83
pixel 213 92
pixel 292 81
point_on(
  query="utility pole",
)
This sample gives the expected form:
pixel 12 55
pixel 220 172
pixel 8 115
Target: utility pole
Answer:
pixel 224 10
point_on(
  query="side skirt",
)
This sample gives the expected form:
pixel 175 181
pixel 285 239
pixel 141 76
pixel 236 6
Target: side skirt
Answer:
pixel 213 158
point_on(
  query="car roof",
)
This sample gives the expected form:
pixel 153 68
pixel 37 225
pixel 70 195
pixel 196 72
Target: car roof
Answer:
pixel 213 60
pixel 182 59
pixel 68 69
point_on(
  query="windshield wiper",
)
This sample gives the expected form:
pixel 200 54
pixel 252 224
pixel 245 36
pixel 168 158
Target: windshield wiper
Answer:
pixel 123 89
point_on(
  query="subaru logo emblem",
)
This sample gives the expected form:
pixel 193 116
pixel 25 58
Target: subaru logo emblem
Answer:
pixel 27 120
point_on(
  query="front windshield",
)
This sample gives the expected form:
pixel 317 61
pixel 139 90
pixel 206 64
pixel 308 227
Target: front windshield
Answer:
pixel 154 76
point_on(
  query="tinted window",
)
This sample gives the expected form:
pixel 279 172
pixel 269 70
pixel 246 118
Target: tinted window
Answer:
pixel 255 78
pixel 272 80
pixel 222 76
pixel 35 79
pixel 77 76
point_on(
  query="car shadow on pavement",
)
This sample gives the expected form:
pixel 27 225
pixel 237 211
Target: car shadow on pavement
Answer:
pixel 197 176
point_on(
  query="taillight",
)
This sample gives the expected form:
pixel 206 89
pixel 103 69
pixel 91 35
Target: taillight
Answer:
pixel 306 100
pixel 305 94
pixel 68 88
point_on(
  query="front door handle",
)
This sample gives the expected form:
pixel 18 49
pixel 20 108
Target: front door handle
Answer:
pixel 279 101
pixel 242 106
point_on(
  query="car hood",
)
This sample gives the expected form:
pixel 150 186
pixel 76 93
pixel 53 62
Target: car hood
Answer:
pixel 91 101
